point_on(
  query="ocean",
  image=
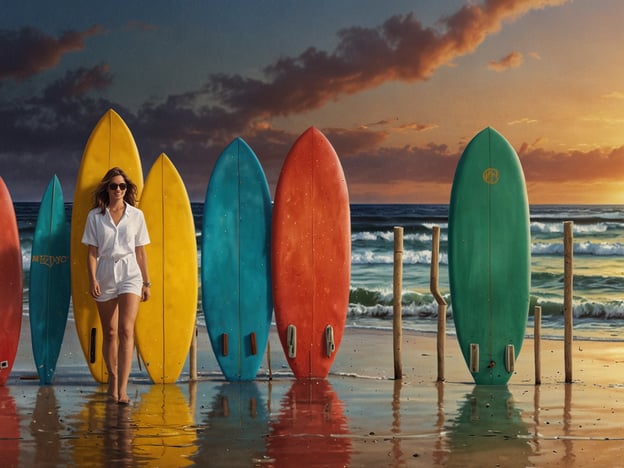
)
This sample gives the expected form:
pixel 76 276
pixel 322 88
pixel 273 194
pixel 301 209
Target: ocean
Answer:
pixel 598 265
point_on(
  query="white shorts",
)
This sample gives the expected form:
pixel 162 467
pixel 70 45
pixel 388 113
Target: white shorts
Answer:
pixel 122 276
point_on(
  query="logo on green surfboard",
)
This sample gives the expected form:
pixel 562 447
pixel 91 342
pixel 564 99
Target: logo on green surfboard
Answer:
pixel 490 176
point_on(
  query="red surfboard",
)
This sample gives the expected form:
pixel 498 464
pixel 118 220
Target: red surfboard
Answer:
pixel 10 284
pixel 311 255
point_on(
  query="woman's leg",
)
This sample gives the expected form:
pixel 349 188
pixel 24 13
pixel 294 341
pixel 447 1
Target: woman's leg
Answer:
pixel 109 313
pixel 128 309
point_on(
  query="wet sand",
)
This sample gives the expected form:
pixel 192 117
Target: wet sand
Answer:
pixel 359 416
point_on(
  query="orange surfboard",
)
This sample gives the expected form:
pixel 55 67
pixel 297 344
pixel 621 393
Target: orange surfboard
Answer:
pixel 311 255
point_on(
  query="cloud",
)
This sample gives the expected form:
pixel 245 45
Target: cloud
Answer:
pixel 28 51
pixel 512 60
pixel 140 26
pixel 401 49
pixel 613 95
pixel 79 82
pixel 416 127
pixel 522 121
pixel 599 164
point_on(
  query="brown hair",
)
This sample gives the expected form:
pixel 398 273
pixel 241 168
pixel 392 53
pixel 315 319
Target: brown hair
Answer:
pixel 101 198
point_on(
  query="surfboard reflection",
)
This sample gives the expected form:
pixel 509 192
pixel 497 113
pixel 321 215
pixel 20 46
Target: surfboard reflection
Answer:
pixel 104 435
pixel 488 422
pixel 45 428
pixel 235 426
pixel 311 424
pixel 165 429
pixel 9 428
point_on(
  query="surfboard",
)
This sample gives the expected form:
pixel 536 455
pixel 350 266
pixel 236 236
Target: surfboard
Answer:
pixel 49 289
pixel 311 255
pixel 236 262
pixel 311 420
pixel 489 257
pixel 165 323
pixel 110 144
pixel 10 284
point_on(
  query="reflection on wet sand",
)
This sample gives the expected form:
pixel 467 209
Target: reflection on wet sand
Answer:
pixel 164 427
pixel 45 428
pixel 488 422
pixel 104 433
pixel 235 427
pixel 9 428
pixel 311 424
pixel 89 427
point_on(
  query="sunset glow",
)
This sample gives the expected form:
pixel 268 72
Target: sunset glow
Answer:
pixel 398 87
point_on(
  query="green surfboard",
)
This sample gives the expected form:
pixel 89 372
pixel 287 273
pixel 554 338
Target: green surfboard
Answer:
pixel 489 257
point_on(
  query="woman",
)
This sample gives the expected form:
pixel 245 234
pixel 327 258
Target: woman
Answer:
pixel 115 234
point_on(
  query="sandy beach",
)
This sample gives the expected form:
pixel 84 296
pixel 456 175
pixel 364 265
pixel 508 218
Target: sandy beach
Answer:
pixel 359 416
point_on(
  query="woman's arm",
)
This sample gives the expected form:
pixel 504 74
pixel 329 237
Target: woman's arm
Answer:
pixel 92 255
pixel 141 257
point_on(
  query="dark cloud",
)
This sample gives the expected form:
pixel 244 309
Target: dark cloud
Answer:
pixel 599 164
pixel 28 51
pixel 79 82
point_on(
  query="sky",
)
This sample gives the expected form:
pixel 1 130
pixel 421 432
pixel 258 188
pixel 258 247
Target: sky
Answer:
pixel 398 87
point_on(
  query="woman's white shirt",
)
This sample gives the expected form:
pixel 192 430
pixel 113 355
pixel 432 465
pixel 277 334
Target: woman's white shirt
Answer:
pixel 115 241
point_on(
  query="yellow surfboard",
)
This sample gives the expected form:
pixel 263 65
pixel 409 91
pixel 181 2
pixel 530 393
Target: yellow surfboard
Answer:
pixel 110 144
pixel 165 324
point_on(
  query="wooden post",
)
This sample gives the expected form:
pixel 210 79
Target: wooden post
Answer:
pixel 193 356
pixel 396 301
pixel 568 274
pixel 433 286
pixel 537 339
pixel 269 358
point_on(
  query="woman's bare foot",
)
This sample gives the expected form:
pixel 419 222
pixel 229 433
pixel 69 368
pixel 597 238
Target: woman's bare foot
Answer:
pixel 112 390
pixel 125 400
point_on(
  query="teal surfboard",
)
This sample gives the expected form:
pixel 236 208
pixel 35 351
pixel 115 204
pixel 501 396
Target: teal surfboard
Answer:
pixel 236 263
pixel 489 257
pixel 49 291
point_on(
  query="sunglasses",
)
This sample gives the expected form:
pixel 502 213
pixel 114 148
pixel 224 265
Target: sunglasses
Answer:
pixel 113 186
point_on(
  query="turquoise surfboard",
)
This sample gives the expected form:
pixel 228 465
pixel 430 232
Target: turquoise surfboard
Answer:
pixel 236 263
pixel 49 291
pixel 489 257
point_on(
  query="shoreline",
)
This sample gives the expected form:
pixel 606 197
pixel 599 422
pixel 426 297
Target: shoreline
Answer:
pixel 359 416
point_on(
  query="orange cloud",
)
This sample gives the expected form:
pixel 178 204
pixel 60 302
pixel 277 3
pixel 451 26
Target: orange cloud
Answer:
pixel 523 121
pixel 417 127
pixel 615 95
pixel 512 60
pixel 401 49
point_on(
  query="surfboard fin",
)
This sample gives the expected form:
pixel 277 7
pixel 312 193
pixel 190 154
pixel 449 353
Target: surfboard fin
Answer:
pixel 510 358
pixel 329 340
pixel 474 357
pixel 254 345
pixel 291 341
pixel 92 342
pixel 224 344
